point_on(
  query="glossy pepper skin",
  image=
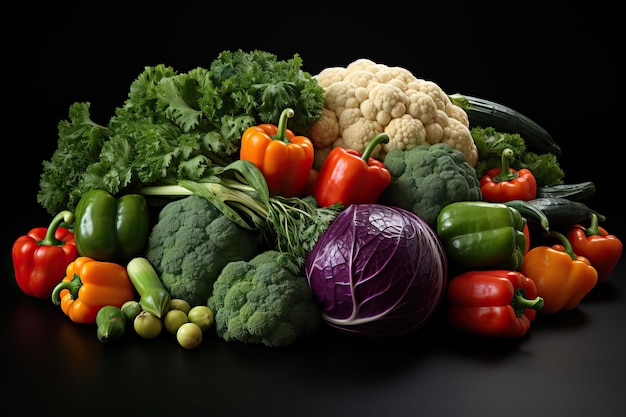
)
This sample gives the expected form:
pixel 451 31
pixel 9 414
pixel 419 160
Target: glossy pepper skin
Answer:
pixel 562 278
pixel 111 229
pixel 349 177
pixel 284 158
pixel 90 285
pixel 603 250
pixel 504 183
pixel 494 303
pixel 481 235
pixel 41 256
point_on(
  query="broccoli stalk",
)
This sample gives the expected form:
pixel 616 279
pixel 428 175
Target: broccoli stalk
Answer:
pixel 239 191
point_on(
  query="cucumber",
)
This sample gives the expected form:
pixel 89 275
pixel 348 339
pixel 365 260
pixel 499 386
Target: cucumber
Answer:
pixel 576 192
pixel 486 113
pixel 530 213
pixel 563 212
pixel 154 298
pixel 111 324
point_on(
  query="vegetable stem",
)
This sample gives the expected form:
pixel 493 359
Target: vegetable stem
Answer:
pixel 381 138
pixel 281 134
pixel 50 238
pixel 520 303
pixel 505 173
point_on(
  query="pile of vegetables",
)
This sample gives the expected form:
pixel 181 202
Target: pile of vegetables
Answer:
pixel 261 203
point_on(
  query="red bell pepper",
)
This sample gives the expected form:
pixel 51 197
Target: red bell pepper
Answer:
pixel 501 184
pixel 284 159
pixel 348 177
pixel 494 303
pixel 41 256
pixel 602 249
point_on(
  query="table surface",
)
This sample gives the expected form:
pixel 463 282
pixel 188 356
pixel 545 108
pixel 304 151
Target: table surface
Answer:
pixel 569 364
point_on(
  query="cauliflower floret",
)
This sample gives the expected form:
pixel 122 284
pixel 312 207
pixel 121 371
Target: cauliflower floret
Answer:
pixel 325 130
pixel 357 135
pixel 361 78
pixel 340 95
pixel 364 64
pixel 331 75
pixel 437 94
pixel 404 133
pixel 456 112
pixel 348 117
pixel 372 96
pixel 434 129
pixel 385 102
pixel 421 106
pixel 457 136
pixel 395 74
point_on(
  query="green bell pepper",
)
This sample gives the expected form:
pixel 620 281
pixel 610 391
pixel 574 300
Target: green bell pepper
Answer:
pixel 481 235
pixel 111 229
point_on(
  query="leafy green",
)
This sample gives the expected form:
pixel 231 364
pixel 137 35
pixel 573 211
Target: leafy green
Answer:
pixel 490 144
pixel 176 126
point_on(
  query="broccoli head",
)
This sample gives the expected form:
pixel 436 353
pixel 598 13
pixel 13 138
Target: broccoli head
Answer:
pixel 264 301
pixel 190 244
pixel 424 179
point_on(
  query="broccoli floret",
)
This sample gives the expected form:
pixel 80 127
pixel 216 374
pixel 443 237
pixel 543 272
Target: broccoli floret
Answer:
pixel 190 244
pixel 425 179
pixel 264 301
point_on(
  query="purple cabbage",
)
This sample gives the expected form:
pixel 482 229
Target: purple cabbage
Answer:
pixel 377 271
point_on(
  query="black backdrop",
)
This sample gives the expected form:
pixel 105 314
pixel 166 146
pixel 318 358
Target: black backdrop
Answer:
pixel 559 67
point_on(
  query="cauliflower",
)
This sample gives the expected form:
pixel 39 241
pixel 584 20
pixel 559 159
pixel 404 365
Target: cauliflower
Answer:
pixel 365 99
pixel 264 301
pixel 424 179
pixel 190 244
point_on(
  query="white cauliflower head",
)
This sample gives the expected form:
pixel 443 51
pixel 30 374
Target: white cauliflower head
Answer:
pixel 366 98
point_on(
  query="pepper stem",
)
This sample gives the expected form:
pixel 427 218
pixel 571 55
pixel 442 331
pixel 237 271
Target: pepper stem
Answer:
pixel 73 286
pixel 521 303
pixel 505 173
pixel 281 134
pixel 377 140
pixel 567 246
pixel 50 239
pixel 593 230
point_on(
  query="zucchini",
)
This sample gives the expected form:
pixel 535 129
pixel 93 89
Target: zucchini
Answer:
pixel 111 324
pixel 486 113
pixel 576 192
pixel 154 298
pixel 563 212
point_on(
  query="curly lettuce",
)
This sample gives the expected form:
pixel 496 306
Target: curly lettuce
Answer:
pixel 176 125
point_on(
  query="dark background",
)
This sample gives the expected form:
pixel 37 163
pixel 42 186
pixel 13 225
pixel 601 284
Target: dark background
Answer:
pixel 562 67
pixel 559 67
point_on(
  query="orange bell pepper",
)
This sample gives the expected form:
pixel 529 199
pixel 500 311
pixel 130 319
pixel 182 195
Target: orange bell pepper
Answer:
pixel 90 285
pixel 284 158
pixel 562 278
